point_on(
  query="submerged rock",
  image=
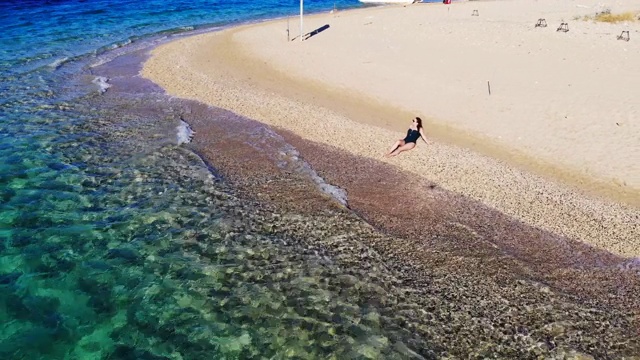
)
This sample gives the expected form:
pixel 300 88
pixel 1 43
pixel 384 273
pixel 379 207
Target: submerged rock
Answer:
pixel 27 343
pixel 102 305
pixel 127 255
pixel 125 352
pixel 6 194
pixel 9 278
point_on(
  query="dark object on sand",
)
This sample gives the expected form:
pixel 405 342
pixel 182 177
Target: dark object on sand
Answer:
pixel 624 36
pixel 541 23
pixel 564 27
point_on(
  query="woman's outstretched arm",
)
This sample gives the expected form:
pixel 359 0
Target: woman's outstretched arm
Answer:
pixel 424 138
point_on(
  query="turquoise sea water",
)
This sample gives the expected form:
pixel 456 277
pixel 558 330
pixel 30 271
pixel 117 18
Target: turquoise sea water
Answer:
pixel 115 240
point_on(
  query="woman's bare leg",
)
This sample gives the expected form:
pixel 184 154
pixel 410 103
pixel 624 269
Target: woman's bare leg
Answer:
pixel 402 148
pixel 395 145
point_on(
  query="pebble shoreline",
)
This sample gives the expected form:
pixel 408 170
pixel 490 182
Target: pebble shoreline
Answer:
pixel 515 192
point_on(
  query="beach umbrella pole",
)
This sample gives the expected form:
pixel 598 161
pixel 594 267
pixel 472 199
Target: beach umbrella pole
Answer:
pixel 301 10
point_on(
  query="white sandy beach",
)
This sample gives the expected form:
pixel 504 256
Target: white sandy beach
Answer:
pixel 563 110
pixel 568 99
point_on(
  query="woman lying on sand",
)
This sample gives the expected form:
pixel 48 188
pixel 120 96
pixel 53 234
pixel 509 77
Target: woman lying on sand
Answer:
pixel 409 142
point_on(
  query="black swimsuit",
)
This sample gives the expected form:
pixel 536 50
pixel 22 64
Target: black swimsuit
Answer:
pixel 412 136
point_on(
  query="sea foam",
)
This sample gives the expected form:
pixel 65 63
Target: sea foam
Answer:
pixel 285 156
pixel 102 82
pixel 335 192
pixel 184 133
pixel 56 64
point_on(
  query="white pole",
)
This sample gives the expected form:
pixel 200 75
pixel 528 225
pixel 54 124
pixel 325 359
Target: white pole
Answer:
pixel 301 10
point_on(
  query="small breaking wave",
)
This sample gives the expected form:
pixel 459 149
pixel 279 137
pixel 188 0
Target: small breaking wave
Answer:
pixel 335 192
pixel 185 133
pixel 56 64
pixel 121 44
pixel 102 82
pixel 302 166
pixel 286 156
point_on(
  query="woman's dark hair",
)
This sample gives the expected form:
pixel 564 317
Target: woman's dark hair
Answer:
pixel 419 121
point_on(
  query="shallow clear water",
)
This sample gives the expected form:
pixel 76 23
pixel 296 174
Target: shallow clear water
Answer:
pixel 116 241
